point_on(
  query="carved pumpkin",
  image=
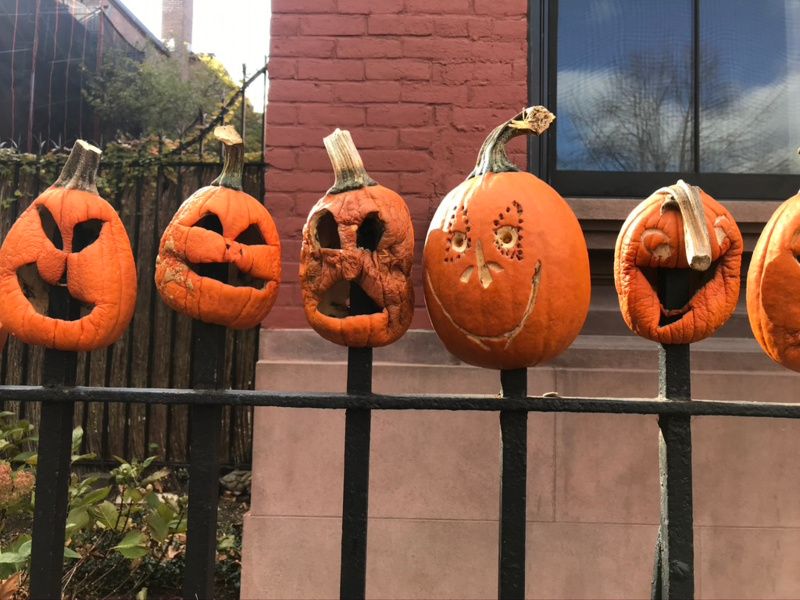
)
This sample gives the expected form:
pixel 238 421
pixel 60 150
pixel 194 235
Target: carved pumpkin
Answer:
pixel 219 260
pixel 773 286
pixel 356 256
pixel 678 227
pixel 69 236
pixel 506 267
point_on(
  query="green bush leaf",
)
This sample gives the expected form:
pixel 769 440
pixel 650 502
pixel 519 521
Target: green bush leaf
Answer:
pixel 77 438
pixel 107 514
pixel 93 497
pixel 70 553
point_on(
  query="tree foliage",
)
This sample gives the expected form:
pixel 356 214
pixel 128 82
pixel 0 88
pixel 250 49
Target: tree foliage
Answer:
pixel 161 95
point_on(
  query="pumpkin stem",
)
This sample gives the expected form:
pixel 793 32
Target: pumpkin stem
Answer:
pixel 687 199
pixel 492 157
pixel 80 170
pixel 348 168
pixel 232 157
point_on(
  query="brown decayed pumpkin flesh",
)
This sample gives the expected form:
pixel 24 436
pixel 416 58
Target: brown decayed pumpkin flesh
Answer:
pixel 69 236
pixel 773 286
pixel 219 257
pixel 506 266
pixel 678 227
pixel 356 256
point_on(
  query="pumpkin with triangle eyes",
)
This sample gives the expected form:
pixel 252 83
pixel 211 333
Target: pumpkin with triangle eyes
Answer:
pixel 219 260
pixel 69 236
pixel 678 227
pixel 356 256
pixel 773 286
pixel 506 266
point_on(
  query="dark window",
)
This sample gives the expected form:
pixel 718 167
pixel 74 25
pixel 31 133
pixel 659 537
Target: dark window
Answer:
pixel 647 91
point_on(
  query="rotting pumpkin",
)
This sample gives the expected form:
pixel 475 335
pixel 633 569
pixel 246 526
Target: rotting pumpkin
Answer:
pixel 219 258
pixel 69 236
pixel 506 277
pixel 671 230
pixel 356 256
pixel 773 286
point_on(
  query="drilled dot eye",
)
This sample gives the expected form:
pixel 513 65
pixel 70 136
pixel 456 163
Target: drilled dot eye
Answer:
pixel 506 237
pixel 459 241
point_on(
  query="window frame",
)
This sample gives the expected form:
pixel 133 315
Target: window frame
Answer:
pixel 542 82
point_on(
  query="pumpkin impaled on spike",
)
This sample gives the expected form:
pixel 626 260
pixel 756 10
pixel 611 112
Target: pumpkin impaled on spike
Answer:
pixel 506 267
pixel 773 286
pixel 678 227
pixel 356 256
pixel 69 236
pixel 219 257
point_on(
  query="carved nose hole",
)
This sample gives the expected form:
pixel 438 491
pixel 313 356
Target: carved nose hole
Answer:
pixel 467 274
pixel 251 236
pixel 484 275
pixel 85 234
pixel 326 231
pixel 50 227
pixel 370 232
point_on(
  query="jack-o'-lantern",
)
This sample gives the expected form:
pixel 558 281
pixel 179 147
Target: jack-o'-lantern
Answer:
pixel 356 256
pixel 69 236
pixel 678 227
pixel 506 267
pixel 219 260
pixel 773 286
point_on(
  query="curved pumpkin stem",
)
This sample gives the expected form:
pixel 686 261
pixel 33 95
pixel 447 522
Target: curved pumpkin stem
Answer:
pixel 348 167
pixel 80 170
pixel 687 199
pixel 492 157
pixel 232 157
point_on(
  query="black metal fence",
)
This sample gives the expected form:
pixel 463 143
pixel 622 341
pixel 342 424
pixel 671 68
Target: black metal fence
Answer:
pixel 673 575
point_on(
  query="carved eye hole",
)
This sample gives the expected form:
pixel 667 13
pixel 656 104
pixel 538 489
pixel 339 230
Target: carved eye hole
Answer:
pixel 85 234
pixel 506 237
pixel 251 236
pixel 211 222
pixel 370 232
pixel 326 231
pixel 50 227
pixel 458 241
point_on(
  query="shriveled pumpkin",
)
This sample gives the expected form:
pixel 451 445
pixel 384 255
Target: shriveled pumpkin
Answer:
pixel 678 227
pixel 69 236
pixel 356 256
pixel 219 260
pixel 773 286
pixel 506 267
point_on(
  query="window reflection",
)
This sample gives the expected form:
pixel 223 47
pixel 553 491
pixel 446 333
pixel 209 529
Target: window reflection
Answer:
pixel 625 86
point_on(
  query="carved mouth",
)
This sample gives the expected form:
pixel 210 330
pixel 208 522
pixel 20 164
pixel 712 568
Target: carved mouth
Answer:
pixel 694 282
pixel 227 273
pixel 507 336
pixel 347 299
pixel 37 291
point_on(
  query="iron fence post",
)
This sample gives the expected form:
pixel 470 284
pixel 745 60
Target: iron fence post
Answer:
pixel 53 462
pixel 513 488
pixel 674 572
pixel 205 421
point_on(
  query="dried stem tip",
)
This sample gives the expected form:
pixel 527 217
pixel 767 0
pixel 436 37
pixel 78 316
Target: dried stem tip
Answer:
pixel 492 157
pixel 348 169
pixel 232 156
pixel 687 199
pixel 80 170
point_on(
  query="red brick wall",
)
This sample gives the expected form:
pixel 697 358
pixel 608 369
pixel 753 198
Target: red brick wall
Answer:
pixel 419 83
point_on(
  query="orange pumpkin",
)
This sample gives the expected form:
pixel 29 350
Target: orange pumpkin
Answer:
pixel 356 256
pixel 679 227
pixel 219 260
pixel 506 267
pixel 68 236
pixel 773 286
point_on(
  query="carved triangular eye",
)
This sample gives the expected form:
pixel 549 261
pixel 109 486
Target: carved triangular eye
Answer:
pixel 251 236
pixel 86 233
pixel 211 222
pixel 50 227
pixel 370 232
pixel 327 231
